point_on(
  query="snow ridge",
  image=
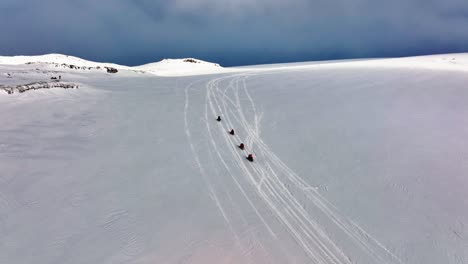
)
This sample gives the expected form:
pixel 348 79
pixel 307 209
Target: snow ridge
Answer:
pixel 55 59
pixel 186 66
pixel 166 67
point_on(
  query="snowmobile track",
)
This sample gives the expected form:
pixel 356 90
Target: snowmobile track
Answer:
pixel 283 192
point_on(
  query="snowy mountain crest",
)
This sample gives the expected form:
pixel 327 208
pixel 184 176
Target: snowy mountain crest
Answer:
pixel 165 67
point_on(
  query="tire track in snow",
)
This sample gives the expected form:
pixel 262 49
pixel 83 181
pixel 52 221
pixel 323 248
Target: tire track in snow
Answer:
pixel 336 218
pixel 288 218
pixel 204 175
pixel 230 144
pixel 295 211
pixel 239 163
pixel 232 175
pixel 250 236
pixel 245 250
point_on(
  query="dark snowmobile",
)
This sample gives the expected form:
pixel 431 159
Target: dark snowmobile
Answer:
pixel 231 132
pixel 241 146
pixel 250 158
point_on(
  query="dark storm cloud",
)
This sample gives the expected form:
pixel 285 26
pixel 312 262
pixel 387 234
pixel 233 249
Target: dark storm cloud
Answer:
pixel 233 32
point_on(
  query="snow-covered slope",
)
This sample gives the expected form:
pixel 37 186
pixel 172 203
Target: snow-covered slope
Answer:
pixel 55 58
pixel 451 62
pixel 457 62
pixel 191 66
pixel 166 67
pixel 182 67
pixel 353 164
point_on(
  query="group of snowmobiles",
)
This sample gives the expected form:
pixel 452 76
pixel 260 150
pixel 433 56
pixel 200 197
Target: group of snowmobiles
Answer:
pixel 241 146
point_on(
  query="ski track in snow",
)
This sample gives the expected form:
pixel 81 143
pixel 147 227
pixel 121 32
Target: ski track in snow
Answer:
pixel 290 199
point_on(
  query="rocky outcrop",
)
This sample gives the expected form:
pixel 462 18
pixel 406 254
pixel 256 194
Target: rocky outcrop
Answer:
pixel 21 88
pixel 111 70
pixel 75 67
pixel 191 61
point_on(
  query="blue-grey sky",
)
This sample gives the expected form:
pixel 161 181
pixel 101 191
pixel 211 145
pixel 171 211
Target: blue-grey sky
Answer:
pixel 232 32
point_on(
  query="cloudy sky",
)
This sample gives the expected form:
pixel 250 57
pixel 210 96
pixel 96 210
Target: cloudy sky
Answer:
pixel 233 32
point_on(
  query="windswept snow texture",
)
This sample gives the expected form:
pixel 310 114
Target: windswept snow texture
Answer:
pixel 355 162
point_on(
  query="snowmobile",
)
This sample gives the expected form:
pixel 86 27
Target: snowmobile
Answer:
pixel 218 119
pixel 231 132
pixel 250 158
pixel 241 146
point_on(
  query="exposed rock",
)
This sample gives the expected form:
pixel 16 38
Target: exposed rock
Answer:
pixel 111 70
pixel 11 89
pixel 75 67
pixel 191 61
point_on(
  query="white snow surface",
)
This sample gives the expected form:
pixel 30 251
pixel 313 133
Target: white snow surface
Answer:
pixel 182 67
pixel 355 162
pixel 55 58
pixel 166 67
